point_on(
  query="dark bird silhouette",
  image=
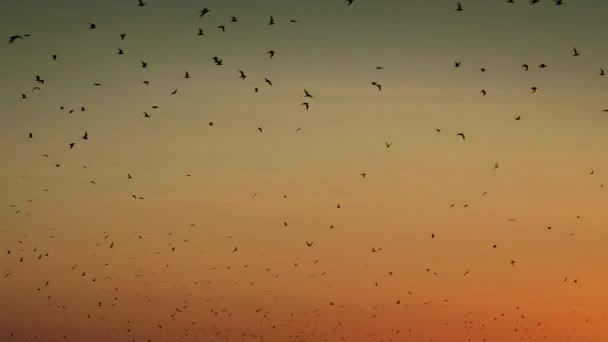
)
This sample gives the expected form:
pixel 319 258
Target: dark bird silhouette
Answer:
pixel 602 73
pixel 309 244
pixel 222 28
pixel 36 88
pixel 349 2
pixel 306 105
pixel 559 2
pixel 54 57
pixel 92 26
pixel 120 52
pixel 518 117
pixel 12 39
pixel 388 144
pixel 71 145
pixel 525 66
pixel 202 12
pixel 483 92
pixel 271 53
pixel 268 81
pixel 144 64
pixel 458 7
pixel 534 89
pixel 462 136
pixel 307 94
pixel 271 21
pixel 233 19
pixel 377 85
pixel 122 36
pixel 218 61
pixel 85 136
pixel 533 2
pixel 141 3
pixel 575 52
pixel 242 75
pixel 457 64
pixel 186 74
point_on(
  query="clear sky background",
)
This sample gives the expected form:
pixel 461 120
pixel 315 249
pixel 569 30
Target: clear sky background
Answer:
pixel 552 167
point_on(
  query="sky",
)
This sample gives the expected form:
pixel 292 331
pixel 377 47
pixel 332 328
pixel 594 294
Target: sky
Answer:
pixel 168 228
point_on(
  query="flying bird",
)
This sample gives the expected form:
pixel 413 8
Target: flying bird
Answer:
pixel 203 12
pixel 458 7
pixel 462 136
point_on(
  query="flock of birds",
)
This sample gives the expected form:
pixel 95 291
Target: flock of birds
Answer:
pixel 179 325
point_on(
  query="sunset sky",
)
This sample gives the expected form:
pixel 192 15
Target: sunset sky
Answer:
pixel 214 245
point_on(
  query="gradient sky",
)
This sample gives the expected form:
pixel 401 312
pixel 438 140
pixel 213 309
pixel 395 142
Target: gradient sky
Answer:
pixel 274 288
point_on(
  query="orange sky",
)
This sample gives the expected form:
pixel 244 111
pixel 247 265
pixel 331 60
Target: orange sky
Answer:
pixel 163 266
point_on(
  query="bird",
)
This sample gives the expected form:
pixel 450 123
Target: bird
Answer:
pixel 222 28
pixel 122 36
pixel 482 70
pixel 203 12
pixel 92 26
pixel 13 38
pixel 349 2
pixel 141 3
pixel 146 115
pixel 54 57
pixel 309 244
pixel 518 117
pixel 200 32
pixel 462 136
pixel 534 89
pixel 575 52
pixel 120 51
pixel 186 74
pixel 71 145
pixel 377 85
pixel 483 92
pixel 602 73
pixel 144 64
pixel 457 64
pixel 260 130
pixel 268 81
pixel 559 2
pixel 525 66
pixel 271 53
pixel 542 65
pixel 31 136
pixel 271 21
pixel 363 175
pixel 306 105
pixel 307 94
pixel 242 75
pixel 533 2
pixel 85 136
pixel 388 144
pixel 217 60
pixel 458 7
pixel 174 92
pixel 233 19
